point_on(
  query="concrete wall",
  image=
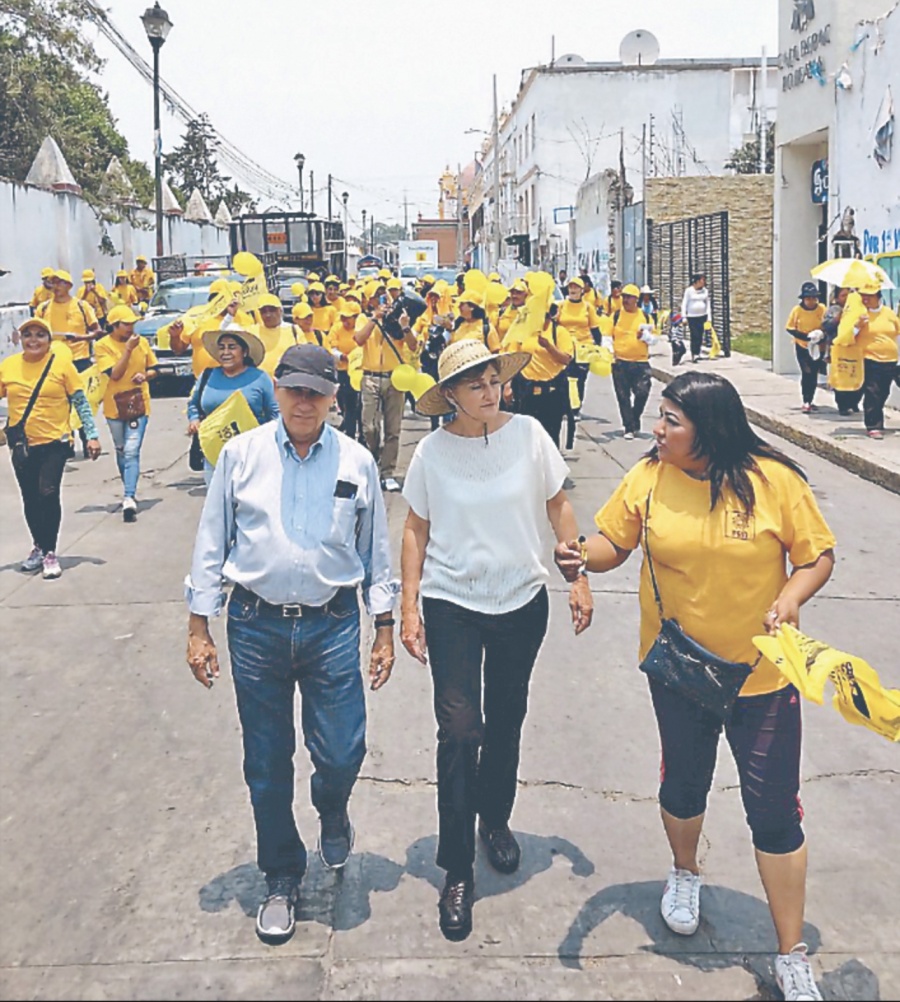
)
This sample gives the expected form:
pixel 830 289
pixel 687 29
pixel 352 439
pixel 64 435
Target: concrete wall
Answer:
pixel 595 229
pixel 41 229
pixel 749 203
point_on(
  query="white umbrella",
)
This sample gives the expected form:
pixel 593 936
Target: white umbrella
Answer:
pixel 848 272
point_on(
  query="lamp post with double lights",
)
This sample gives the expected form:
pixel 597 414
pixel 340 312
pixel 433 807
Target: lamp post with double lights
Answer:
pixel 300 160
pixel 157 25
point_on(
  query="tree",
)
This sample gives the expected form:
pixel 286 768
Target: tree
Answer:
pixel 745 159
pixel 385 234
pixel 45 90
pixel 193 164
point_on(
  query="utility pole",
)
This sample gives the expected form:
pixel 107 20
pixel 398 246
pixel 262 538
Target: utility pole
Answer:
pixel 329 198
pixel 365 236
pixel 405 216
pixel 763 124
pixel 495 139
pixel 652 148
pixel 312 192
pixel 459 216
pixel 372 232
pixel 644 161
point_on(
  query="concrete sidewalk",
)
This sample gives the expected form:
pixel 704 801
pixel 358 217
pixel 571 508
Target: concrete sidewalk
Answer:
pixel 773 402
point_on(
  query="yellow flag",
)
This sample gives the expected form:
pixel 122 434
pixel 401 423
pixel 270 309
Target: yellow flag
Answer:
pixel 226 422
pixel 574 399
pixel 854 308
pixel 251 289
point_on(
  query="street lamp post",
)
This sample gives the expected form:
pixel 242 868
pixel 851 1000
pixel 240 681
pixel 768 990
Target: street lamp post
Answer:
pixel 300 160
pixel 157 25
pixel 364 237
pixel 345 197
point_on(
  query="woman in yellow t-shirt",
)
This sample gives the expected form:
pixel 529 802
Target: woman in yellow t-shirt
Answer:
pixel 473 322
pixel 877 335
pixel 129 362
pixel 805 327
pixel 39 465
pixel 123 293
pixel 723 513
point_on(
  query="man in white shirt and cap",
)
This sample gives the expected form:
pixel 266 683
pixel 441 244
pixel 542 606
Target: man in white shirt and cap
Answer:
pixel 295 519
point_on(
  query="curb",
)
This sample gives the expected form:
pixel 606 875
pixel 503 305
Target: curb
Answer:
pixel 828 449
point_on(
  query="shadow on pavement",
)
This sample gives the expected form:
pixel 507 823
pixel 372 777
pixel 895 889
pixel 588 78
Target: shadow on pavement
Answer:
pixel 735 931
pixel 67 563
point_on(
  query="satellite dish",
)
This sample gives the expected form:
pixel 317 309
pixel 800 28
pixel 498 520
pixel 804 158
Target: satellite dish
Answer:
pixel 570 59
pixel 639 48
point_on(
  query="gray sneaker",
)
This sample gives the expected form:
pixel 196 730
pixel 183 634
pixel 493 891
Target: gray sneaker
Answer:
pixel 276 918
pixel 34 561
pixel 335 840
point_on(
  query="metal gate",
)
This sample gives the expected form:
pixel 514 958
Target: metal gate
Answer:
pixel 684 247
pixel 633 266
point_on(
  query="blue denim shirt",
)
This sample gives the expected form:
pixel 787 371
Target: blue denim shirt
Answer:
pixel 292 530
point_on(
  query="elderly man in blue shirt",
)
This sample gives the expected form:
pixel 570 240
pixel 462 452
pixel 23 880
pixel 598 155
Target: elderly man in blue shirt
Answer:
pixel 295 519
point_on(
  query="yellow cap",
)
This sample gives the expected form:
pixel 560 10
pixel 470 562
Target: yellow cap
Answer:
pixel 372 288
pixel 122 315
pixel 219 286
pixel 577 282
pixel 140 258
pixel 349 310
pixel 519 286
pixel 385 273
pixel 353 294
pixel 315 287
pixel 475 298
pixel 267 299
pixel 88 275
pixel 121 273
pixel 35 322
pixel 630 290
pixel 312 277
pixel 48 272
pixel 332 280
pixel 63 276
pixel 301 311
pixel 394 283
pixel 494 276
pixel 869 288
pixel 428 280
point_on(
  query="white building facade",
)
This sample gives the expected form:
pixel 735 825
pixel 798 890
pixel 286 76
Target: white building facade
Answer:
pixel 837 173
pixel 574 120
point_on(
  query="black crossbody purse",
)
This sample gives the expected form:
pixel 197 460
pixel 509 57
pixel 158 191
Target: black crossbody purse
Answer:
pixel 16 438
pixel 681 664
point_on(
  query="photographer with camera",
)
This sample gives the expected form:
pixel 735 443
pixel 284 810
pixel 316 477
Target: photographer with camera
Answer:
pixel 382 404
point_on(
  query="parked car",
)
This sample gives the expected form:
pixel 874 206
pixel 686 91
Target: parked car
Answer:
pixel 286 277
pixel 172 299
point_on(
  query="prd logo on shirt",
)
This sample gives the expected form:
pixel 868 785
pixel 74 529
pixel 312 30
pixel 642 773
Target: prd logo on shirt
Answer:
pixel 739 525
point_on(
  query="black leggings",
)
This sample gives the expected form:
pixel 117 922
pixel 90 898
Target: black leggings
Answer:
pixel 478 757
pixel 809 373
pixel 876 390
pixel 40 479
pixel 764 734
pixel 547 403
pixel 695 325
pixel 348 401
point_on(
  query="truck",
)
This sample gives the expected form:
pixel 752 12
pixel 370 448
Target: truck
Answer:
pixel 415 258
pixel 298 240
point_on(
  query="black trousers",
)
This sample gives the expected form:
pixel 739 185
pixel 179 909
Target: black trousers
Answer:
pixel 348 401
pixel 547 403
pixel 631 381
pixel 695 324
pixel 876 390
pixel 478 756
pixel 40 480
pixel 809 373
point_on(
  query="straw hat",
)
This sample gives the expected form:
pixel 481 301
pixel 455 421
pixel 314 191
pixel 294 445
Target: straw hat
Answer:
pixel 255 347
pixel 456 359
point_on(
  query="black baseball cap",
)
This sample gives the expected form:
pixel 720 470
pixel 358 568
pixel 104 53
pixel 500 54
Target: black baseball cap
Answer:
pixel 308 366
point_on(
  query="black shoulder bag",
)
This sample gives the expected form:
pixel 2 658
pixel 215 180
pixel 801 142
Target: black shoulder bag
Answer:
pixel 681 664
pixel 16 438
pixel 195 456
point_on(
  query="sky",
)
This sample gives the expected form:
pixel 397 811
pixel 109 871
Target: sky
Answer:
pixel 381 96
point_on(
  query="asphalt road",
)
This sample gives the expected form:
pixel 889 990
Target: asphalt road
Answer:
pixel 126 837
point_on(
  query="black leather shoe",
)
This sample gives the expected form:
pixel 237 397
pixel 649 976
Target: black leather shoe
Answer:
pixel 503 850
pixel 455 909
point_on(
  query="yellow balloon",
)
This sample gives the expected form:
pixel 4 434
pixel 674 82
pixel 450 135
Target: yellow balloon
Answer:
pixel 475 281
pixel 423 384
pixel 403 378
pixel 247 264
pixel 495 294
pixel 601 367
pixel 297 289
pixel 356 379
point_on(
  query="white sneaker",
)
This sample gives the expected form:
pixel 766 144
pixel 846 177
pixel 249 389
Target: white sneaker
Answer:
pixel 129 510
pixel 628 436
pixel 794 975
pixel 680 905
pixel 52 570
pixel 390 484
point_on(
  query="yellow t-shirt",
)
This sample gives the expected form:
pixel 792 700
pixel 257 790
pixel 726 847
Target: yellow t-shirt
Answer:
pixel 613 303
pixel 507 319
pixel 49 418
pixel 108 351
pixel 578 319
pixel 40 295
pixel 276 342
pixel 94 298
pixel 806 321
pixel 378 351
pixel 305 337
pixel 473 330
pixel 324 317
pixel 122 295
pixel 718 571
pixel 542 368
pixel 143 281
pixel 340 339
pixel 879 340
pixel 626 345
pixel 73 317
pixel 337 305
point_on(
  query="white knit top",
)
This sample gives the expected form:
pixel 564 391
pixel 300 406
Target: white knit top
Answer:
pixel 695 302
pixel 487 508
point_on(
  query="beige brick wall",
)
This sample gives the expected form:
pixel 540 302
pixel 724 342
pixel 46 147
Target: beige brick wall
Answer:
pixel 748 199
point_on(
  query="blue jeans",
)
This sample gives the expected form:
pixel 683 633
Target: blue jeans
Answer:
pixel 128 437
pixel 270 657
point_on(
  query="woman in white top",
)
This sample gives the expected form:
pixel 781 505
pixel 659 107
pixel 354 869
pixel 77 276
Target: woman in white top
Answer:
pixel 695 308
pixel 481 492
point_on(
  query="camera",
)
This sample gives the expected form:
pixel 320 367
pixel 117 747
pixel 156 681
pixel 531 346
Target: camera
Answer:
pixel 410 303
